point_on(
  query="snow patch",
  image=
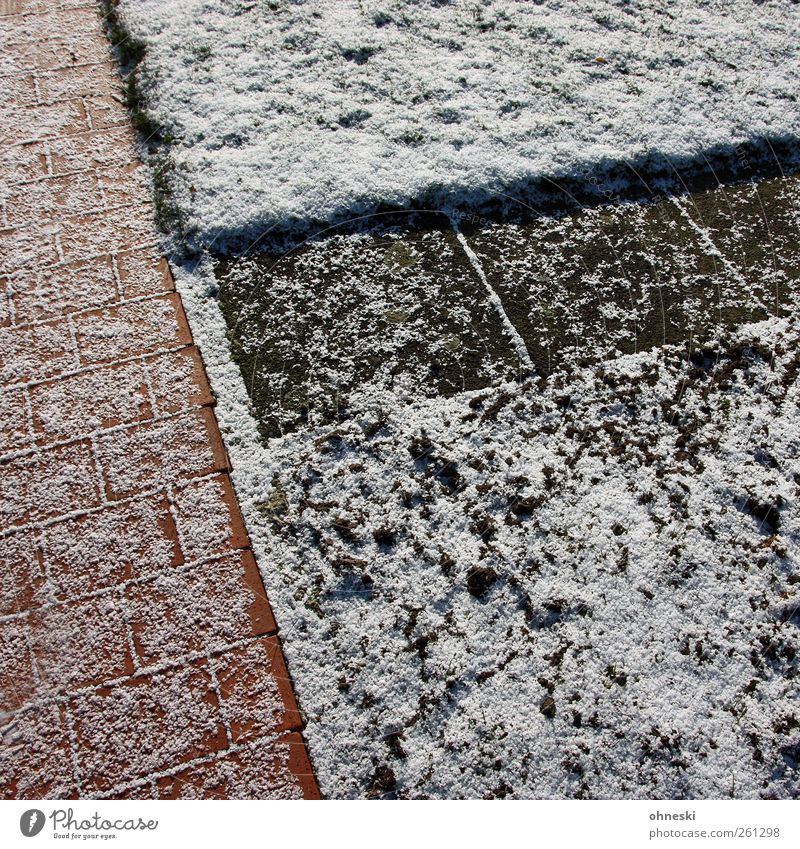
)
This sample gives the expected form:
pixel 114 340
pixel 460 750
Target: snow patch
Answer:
pixel 298 111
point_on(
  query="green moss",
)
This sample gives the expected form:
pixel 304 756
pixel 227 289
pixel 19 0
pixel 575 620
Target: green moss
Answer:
pixel 168 214
pixel 143 122
pixel 131 53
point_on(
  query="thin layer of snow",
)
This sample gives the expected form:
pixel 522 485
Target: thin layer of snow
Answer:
pixel 302 109
pixel 599 539
pixel 494 300
pixel 580 588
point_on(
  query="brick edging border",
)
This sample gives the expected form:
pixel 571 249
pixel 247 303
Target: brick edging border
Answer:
pixel 299 764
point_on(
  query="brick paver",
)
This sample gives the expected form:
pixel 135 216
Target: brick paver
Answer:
pixel 139 656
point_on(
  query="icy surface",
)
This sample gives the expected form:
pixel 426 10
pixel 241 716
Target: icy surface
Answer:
pixel 302 109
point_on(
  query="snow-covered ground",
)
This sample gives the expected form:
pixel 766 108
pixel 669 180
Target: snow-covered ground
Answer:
pixel 622 540
pixel 621 537
pixel 580 586
pixel 298 110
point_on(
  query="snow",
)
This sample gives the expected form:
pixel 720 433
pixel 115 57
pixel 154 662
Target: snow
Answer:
pixel 576 587
pixel 494 299
pixel 612 552
pixel 302 110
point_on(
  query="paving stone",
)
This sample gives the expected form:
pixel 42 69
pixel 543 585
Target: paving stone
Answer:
pixel 145 725
pixel 14 57
pixel 124 185
pixel 199 608
pixel 153 455
pixel 21 573
pixel 107 232
pixel 102 398
pixel 17 682
pixel 79 49
pixel 20 30
pixel 13 420
pixel 20 90
pixel 144 273
pixel 47 483
pixel 35 759
pixel 75 4
pixel 208 518
pixel 24 124
pixel 26 247
pixel 80 644
pixel 5 304
pixel 23 162
pixel 11 7
pixel 52 198
pixel 260 611
pixel 132 328
pixel 255 690
pixel 106 111
pixel 179 381
pixel 133 540
pixel 95 80
pixel 66 287
pixel 35 352
pixel 265 770
pixel 73 19
pixel 91 150
pixel 48 21
pixel 145 791
pixel 83 287
pixel 13 61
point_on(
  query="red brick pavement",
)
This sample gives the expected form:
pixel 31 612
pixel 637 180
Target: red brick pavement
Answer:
pixel 138 656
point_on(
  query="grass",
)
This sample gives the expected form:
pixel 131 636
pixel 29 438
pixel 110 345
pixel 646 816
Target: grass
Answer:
pixel 630 277
pixel 154 139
